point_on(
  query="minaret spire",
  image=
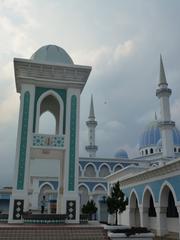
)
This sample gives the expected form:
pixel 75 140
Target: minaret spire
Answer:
pixel 91 112
pixel 91 124
pixel 162 75
pixel 165 123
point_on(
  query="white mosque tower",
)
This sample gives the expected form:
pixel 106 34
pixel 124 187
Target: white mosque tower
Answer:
pixel 165 123
pixel 91 124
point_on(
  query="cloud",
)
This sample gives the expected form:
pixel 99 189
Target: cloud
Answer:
pixel 8 108
pixel 175 112
pixel 118 40
pixel 124 50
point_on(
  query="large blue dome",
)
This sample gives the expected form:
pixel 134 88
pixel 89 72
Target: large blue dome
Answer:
pixel 121 154
pixel 52 54
pixel 152 136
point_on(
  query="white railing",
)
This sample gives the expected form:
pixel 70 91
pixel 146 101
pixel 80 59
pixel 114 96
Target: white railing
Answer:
pixel 45 140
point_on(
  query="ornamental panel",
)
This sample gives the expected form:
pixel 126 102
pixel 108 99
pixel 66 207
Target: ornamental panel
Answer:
pixel 23 143
pixel 72 148
pixel 42 140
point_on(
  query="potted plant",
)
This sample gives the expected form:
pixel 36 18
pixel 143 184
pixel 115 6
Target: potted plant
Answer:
pixel 89 208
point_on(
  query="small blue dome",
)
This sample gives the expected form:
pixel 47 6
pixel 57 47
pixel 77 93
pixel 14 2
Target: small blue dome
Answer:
pixel 152 136
pixel 52 54
pixel 121 154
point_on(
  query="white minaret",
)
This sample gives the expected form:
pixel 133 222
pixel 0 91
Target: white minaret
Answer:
pixel 91 123
pixel 165 123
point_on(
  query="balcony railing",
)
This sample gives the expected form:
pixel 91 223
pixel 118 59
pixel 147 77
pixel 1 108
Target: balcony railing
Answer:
pixel 46 141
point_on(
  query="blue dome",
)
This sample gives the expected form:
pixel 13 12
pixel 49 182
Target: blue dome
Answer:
pixel 52 54
pixel 121 154
pixel 152 136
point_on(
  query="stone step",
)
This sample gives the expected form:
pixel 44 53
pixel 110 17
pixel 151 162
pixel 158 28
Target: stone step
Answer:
pixel 41 232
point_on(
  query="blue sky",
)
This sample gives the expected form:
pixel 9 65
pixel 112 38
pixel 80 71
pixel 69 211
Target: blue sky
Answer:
pixel 121 40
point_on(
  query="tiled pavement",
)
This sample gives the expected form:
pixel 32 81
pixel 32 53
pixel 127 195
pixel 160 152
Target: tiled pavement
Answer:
pixel 46 232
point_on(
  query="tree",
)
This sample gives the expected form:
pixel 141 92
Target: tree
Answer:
pixel 116 202
pixel 89 208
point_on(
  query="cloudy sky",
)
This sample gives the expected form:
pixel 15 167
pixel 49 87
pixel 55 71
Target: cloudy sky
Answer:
pixel 120 39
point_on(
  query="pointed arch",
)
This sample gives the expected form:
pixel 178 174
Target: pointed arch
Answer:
pixel 46 183
pixel 43 189
pixel 148 188
pixel 134 214
pixel 165 187
pixel 83 193
pixel 84 185
pixel 58 115
pixel 99 185
pixel 90 170
pixel 104 170
pixel 118 165
pixel 133 191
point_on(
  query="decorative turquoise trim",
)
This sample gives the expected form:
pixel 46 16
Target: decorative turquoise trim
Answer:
pixel 72 147
pixel 61 92
pixel 23 144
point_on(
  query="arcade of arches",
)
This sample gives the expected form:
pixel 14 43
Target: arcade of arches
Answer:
pixel 163 215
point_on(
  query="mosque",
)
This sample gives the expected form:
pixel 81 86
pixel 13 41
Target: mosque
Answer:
pixel 49 164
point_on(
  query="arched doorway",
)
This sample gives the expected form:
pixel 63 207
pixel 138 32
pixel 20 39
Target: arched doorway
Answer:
pixel 44 191
pixel 149 212
pixel 84 195
pixel 99 197
pixel 169 218
pixel 134 215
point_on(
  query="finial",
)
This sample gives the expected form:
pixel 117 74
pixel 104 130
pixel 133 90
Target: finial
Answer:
pixel 155 116
pixel 162 75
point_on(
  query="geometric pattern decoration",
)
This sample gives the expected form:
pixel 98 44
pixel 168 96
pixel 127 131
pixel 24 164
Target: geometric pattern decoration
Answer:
pixel 72 146
pixel 61 92
pixel 18 209
pixel 42 140
pixel 71 210
pixel 23 143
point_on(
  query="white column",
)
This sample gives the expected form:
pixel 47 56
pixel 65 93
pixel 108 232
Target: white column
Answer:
pixel 143 216
pixel 23 151
pixel 35 194
pixel 161 220
pixel 178 209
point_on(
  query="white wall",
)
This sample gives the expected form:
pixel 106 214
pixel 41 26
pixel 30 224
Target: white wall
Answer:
pixel 152 221
pixel 123 218
pixel 173 224
pixel 45 167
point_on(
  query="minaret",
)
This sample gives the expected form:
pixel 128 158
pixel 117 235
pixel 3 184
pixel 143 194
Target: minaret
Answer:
pixel 165 123
pixel 91 123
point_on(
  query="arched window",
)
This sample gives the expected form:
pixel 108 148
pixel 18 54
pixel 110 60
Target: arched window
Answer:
pixel 171 209
pixel 117 168
pixel 104 171
pixel 83 191
pixel 47 123
pixel 99 189
pixel 52 106
pixel 175 150
pixel 146 151
pixel 151 150
pixel 90 171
